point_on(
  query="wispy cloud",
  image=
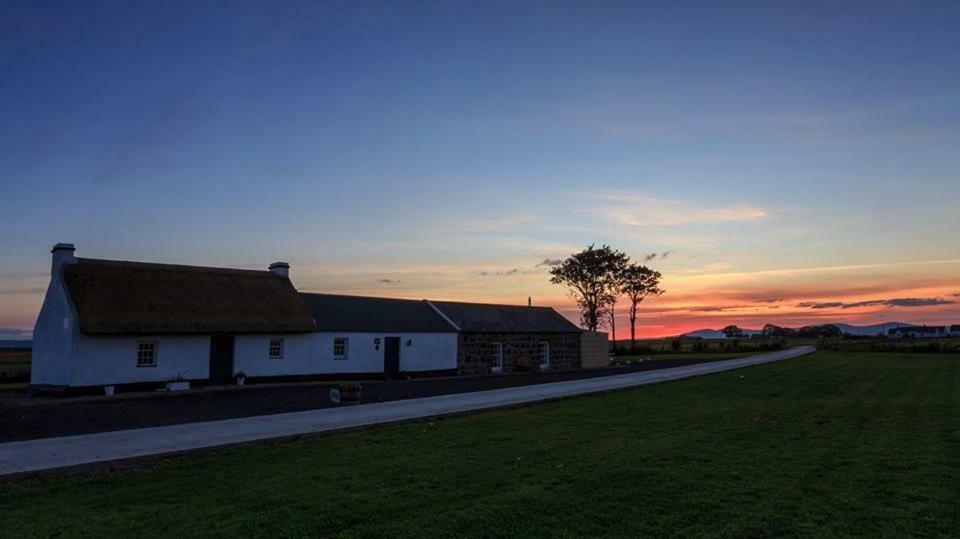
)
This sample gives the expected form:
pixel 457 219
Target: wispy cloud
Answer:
pixel 500 223
pixel 655 256
pixel 896 302
pixel 851 267
pixel 821 304
pixel 389 281
pixel 707 269
pixel 506 273
pixel 644 210
pixel 541 267
pixel 10 291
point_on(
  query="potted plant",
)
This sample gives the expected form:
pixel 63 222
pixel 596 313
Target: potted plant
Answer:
pixel 349 392
pixel 240 377
pixel 108 391
pixel 177 383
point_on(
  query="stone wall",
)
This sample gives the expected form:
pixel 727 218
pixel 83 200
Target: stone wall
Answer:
pixel 475 350
pixel 594 350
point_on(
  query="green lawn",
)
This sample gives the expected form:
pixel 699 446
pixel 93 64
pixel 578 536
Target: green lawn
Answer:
pixel 830 444
pixel 13 362
pixel 704 356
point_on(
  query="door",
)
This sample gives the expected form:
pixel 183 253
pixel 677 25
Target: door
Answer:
pixel 391 356
pixel 221 359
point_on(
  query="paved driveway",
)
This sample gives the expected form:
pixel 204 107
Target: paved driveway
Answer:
pixel 48 453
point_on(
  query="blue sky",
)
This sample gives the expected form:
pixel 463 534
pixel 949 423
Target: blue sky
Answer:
pixel 428 149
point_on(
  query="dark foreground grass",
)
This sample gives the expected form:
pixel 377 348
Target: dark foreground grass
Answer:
pixel 831 444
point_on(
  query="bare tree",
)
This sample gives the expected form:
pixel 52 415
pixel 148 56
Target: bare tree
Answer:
pixel 608 315
pixel 638 282
pixel 592 277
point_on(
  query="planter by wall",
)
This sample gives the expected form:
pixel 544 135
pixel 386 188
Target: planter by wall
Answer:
pixel 178 386
pixel 347 394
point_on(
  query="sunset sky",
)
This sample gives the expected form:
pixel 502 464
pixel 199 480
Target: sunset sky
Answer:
pixel 791 163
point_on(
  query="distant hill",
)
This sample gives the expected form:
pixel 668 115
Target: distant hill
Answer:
pixel 16 344
pixel 849 329
pixel 716 333
pixel 706 334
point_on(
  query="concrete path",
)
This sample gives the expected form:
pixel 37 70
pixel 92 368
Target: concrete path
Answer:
pixel 49 453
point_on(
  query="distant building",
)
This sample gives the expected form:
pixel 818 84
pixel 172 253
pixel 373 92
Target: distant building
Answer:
pixel 922 332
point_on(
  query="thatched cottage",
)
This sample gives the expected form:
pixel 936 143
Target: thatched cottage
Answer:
pixel 106 322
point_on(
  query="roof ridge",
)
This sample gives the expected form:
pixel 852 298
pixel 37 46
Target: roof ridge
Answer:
pixel 171 266
pixel 521 306
pixel 357 296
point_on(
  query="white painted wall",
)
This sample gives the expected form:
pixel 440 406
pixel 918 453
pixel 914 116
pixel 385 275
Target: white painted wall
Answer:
pixel 105 360
pixel 312 353
pixel 54 330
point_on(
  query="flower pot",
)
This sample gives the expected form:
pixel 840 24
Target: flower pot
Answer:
pixel 240 381
pixel 108 391
pixel 349 393
pixel 178 386
pixel 352 396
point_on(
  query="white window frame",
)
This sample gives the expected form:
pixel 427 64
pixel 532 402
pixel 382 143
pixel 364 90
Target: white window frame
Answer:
pixel 154 353
pixel 497 364
pixel 544 355
pixel 346 348
pixel 280 346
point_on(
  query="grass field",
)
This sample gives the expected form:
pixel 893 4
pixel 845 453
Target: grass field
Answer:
pixel 830 444
pixel 704 356
pixel 13 362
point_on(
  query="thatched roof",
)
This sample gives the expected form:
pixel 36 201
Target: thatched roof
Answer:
pixel 113 297
pixel 482 317
pixel 379 315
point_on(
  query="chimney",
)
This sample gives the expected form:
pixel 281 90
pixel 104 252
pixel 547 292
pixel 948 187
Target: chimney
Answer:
pixel 281 268
pixel 529 301
pixel 62 254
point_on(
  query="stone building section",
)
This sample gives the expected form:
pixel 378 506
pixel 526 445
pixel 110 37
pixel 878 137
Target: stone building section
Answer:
pixel 519 328
pixel 594 350
pixel 475 351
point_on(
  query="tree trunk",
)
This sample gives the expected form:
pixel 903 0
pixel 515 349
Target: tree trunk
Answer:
pixel 613 326
pixel 633 328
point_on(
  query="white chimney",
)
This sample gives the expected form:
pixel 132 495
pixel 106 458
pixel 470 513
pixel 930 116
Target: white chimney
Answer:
pixel 62 254
pixel 281 268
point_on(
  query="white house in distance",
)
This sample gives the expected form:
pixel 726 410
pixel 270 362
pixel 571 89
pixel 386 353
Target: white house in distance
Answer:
pixel 106 322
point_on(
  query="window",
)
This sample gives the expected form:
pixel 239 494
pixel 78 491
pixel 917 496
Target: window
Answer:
pixel 496 362
pixel 276 348
pixel 147 354
pixel 340 348
pixel 544 355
